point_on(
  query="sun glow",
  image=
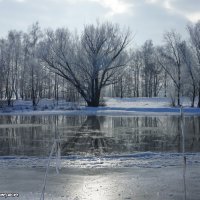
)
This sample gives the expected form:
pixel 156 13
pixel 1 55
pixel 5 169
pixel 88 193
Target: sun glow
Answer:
pixel 115 6
pixel 194 17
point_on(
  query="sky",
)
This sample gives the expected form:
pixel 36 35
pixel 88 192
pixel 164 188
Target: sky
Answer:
pixel 147 19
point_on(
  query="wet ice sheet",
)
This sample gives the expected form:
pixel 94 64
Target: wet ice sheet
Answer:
pixel 109 184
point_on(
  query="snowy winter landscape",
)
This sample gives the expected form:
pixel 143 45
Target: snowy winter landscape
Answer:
pixel 100 99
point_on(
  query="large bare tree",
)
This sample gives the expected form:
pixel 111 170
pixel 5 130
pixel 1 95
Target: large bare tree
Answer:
pixel 89 62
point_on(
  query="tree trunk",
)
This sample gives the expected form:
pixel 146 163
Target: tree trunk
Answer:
pixel 95 100
pixel 93 103
pixel 9 102
pixel 198 105
pixel 33 101
pixel 179 83
pixel 193 95
pixel 178 98
pixel 165 85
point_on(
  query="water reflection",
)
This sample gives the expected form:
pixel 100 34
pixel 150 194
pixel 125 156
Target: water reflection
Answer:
pixel 33 135
pixel 89 139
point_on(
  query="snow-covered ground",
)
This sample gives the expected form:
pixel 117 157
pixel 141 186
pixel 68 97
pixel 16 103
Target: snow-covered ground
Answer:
pixel 135 160
pixel 114 106
pixel 140 102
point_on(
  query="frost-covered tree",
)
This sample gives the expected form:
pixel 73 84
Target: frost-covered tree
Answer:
pixel 90 62
pixel 171 60
pixel 136 62
pixel 2 68
pixel 10 61
pixel 151 71
pixel 191 73
pixel 33 63
pixel 194 31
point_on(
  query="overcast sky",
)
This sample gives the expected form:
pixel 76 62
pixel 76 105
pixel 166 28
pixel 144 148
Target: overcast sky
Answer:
pixel 147 19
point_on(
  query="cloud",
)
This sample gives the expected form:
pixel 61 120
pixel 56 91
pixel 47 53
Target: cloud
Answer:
pixel 188 9
pixel 147 18
pixel 185 8
pixel 151 1
pixel 167 4
pixel 193 17
pixel 115 6
pixel 20 1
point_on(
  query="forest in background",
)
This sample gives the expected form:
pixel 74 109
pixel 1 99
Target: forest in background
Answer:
pixel 101 61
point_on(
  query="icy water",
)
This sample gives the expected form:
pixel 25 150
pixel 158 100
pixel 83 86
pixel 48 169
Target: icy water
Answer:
pixel 103 157
pixel 92 135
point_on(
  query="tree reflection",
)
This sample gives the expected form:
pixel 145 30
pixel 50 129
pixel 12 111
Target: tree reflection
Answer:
pixel 89 139
pixel 32 135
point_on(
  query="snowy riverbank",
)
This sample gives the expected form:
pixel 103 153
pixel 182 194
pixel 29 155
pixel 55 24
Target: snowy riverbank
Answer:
pixel 114 106
pixel 135 160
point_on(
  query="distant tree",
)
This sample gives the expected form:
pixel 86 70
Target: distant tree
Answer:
pixel 10 61
pixel 147 69
pixel 136 63
pixel 90 62
pixel 33 63
pixel 151 71
pixel 120 85
pixel 127 83
pixel 14 39
pixel 191 73
pixel 2 68
pixel 9 68
pixel 171 60
pixel 194 31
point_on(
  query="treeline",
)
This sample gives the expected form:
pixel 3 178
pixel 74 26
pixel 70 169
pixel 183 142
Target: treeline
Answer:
pixel 100 61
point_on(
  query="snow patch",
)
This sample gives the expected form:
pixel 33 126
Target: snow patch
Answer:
pixel 136 160
pixel 114 106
